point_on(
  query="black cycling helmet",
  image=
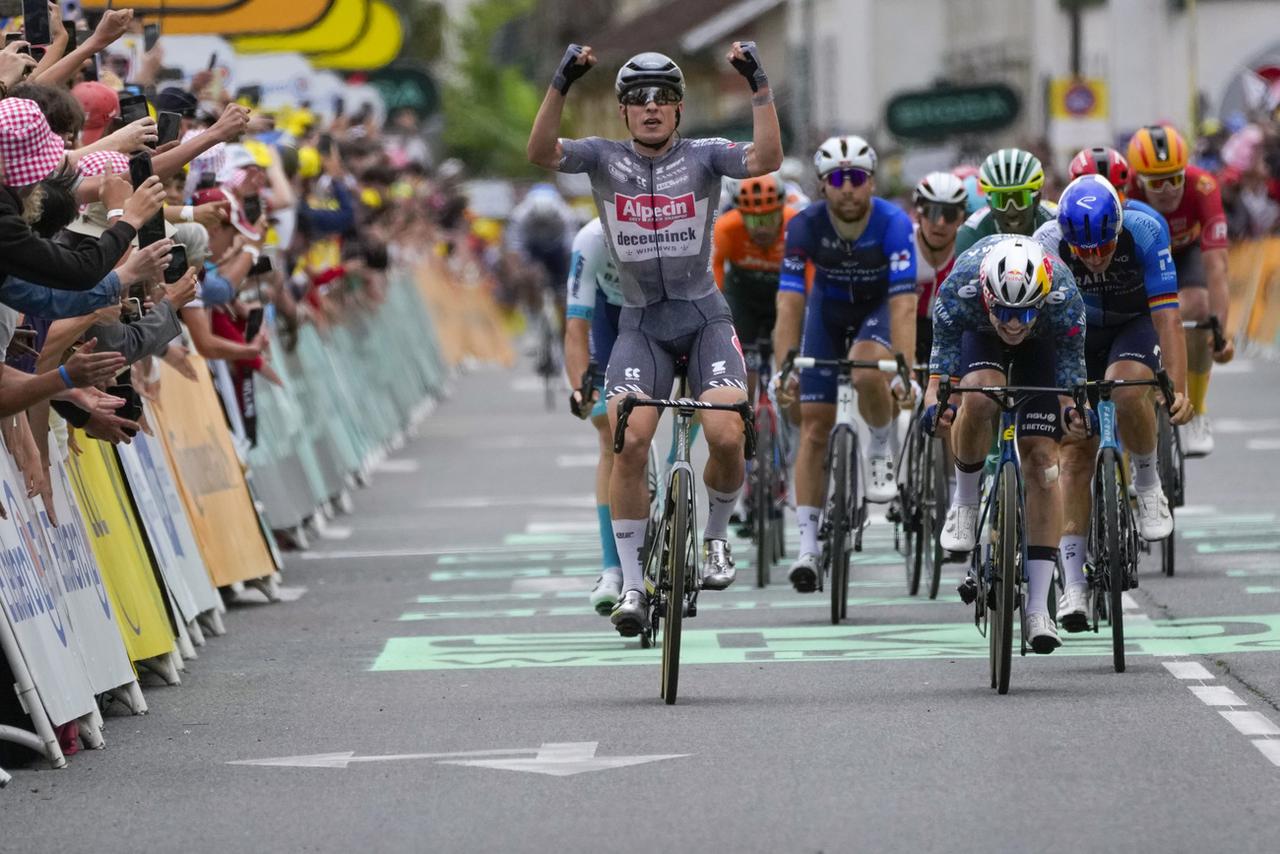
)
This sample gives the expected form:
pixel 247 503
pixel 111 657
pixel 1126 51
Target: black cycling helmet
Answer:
pixel 649 69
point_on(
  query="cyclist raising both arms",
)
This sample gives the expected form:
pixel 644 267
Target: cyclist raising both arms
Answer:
pixel 1008 313
pixel 657 196
pixel 864 285
pixel 1191 203
pixel 940 199
pixel 1011 180
pixel 1121 263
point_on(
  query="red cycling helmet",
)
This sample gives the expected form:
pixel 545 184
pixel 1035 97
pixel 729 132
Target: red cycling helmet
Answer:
pixel 1100 160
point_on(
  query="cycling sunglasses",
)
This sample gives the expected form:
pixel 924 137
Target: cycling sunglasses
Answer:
pixel 1003 200
pixel 762 220
pixel 936 210
pixel 1162 182
pixel 660 95
pixel 1010 313
pixel 855 177
pixel 1095 253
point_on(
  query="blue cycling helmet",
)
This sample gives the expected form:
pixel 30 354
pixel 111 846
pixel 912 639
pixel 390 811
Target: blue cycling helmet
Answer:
pixel 1089 212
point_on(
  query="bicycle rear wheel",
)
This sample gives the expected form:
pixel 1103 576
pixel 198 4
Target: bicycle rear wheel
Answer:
pixel 912 506
pixel 762 499
pixel 1114 565
pixel 838 536
pixel 680 536
pixel 1006 552
pixel 853 519
pixel 934 498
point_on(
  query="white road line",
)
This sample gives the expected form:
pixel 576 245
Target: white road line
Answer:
pixel 1245 425
pixel 1251 723
pixel 1187 670
pixel 1269 749
pixel 397 466
pixel 1272 444
pixel 576 461
pixel 1217 695
pixel 290 594
pixel 1196 510
pixel 562 527
pixel 480 502
pixel 336 532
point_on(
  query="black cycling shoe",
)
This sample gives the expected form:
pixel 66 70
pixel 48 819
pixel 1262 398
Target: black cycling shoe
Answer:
pixel 804 574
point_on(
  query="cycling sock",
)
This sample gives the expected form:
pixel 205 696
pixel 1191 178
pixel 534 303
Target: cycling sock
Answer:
pixel 1198 390
pixel 1072 548
pixel 879 444
pixel 1145 474
pixel 808 518
pixel 628 534
pixel 608 548
pixel 719 509
pixel 967 478
pixel 1040 566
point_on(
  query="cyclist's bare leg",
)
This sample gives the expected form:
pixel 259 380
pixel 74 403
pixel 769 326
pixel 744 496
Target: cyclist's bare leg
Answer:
pixel 875 403
pixel 1193 304
pixel 604 468
pixel 816 421
pixel 1135 416
pixel 975 420
pixel 1043 515
pixel 725 470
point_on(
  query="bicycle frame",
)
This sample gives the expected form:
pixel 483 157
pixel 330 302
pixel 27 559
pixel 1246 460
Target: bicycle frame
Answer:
pixel 1008 446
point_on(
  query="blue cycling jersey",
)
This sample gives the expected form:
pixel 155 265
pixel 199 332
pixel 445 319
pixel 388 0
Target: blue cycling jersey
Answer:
pixel 1140 278
pixel 880 263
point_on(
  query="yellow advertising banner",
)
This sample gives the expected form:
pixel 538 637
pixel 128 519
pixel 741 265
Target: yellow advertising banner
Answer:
pixel 339 29
pixel 377 46
pixel 1078 98
pixel 193 428
pixel 234 19
pixel 117 544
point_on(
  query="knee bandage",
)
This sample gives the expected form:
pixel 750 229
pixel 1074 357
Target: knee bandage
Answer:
pixel 1051 475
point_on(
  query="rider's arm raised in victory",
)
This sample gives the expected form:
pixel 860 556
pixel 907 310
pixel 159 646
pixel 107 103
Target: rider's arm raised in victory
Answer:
pixel 545 148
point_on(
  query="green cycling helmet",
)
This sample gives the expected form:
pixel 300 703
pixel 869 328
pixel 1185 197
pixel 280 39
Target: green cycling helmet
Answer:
pixel 1011 169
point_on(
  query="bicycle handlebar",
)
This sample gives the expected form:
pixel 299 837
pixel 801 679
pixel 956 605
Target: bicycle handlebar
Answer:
pixel 897 365
pixel 1161 382
pixel 743 409
pixel 1007 396
pixel 591 377
pixel 1213 325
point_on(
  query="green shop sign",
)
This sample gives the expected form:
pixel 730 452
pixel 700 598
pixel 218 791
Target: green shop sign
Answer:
pixel 939 113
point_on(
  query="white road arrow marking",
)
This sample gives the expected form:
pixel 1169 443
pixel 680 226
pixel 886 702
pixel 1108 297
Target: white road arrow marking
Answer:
pixel 557 759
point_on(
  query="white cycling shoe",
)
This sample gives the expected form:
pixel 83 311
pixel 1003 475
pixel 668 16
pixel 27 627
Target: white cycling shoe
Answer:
pixel 960 530
pixel 1197 439
pixel 881 486
pixel 1042 634
pixel 1073 607
pixel 606 592
pixel 1155 522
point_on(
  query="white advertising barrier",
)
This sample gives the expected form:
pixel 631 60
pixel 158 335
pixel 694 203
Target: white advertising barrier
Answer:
pixel 165 520
pixel 33 605
pixel 85 595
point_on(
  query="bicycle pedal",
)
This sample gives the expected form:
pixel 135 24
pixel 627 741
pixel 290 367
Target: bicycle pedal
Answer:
pixel 691 609
pixel 968 591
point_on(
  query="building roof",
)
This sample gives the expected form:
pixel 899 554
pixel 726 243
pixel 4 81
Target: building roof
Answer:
pixel 660 29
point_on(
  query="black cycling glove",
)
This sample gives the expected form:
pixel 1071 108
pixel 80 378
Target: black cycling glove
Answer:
pixel 750 67
pixel 569 70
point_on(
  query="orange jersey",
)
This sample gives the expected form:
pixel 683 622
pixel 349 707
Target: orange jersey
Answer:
pixel 733 248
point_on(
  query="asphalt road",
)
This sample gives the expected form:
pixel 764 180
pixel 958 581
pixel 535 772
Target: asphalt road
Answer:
pixel 439 684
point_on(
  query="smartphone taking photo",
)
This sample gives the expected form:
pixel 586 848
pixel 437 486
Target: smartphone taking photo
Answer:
pixel 177 264
pixel 168 125
pixel 35 22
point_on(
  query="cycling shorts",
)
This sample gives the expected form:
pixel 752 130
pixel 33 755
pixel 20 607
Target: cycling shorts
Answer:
pixel 1134 341
pixel 604 331
pixel 1033 363
pixel 827 325
pixel 754 309
pixel 554 258
pixel 651 340
pixel 924 339
pixel 1190 266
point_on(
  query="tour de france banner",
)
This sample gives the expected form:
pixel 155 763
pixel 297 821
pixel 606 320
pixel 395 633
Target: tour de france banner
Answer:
pixel 165 519
pixel 84 591
pixel 32 603
pixel 122 555
pixel 189 420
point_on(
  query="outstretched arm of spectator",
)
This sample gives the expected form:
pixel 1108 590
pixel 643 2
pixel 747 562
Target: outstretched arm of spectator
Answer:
pixel 45 302
pixel 114 24
pixel 324 221
pixel 212 346
pixel 229 126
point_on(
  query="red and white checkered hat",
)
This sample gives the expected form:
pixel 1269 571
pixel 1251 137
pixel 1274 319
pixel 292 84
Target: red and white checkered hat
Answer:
pixel 102 162
pixel 30 151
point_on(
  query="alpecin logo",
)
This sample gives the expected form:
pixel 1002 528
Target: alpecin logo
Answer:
pixel 654 211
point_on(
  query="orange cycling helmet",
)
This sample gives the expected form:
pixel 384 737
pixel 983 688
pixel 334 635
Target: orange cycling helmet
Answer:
pixel 1157 150
pixel 760 195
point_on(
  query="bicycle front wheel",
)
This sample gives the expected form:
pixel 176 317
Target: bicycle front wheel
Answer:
pixel 912 506
pixel 679 552
pixel 839 542
pixel 1007 554
pixel 1109 480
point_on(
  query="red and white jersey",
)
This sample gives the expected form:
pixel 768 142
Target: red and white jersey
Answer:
pixel 928 278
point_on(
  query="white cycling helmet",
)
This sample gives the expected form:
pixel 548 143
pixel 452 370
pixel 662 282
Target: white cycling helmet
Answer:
pixel 941 188
pixel 844 152
pixel 1016 273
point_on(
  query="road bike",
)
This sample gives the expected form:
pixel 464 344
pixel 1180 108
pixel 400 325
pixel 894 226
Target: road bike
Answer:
pixel 1113 532
pixel 767 493
pixel 844 515
pixel 548 353
pixel 672 579
pixel 997 567
pixel 923 498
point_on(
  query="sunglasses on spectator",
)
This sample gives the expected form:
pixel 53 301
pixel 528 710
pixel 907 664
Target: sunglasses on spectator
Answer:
pixel 1009 313
pixel 660 95
pixel 1162 182
pixel 1003 200
pixel 1101 252
pixel 935 211
pixel 762 220
pixel 855 177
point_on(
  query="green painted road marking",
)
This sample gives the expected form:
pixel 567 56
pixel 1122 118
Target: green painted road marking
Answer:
pixel 548 539
pixel 1216 636
pixel 584 610
pixel 1251 573
pixel 1234 548
pixel 1261 589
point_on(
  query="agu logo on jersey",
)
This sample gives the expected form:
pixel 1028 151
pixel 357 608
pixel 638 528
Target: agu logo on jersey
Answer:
pixel 654 211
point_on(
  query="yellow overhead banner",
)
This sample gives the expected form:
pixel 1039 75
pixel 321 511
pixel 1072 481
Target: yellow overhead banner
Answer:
pixel 117 544
pixel 193 428
pixel 241 19
pixel 338 30
pixel 378 46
